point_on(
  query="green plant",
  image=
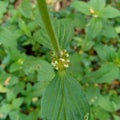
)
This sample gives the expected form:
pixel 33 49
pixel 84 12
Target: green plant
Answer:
pixel 59 100
pixel 55 65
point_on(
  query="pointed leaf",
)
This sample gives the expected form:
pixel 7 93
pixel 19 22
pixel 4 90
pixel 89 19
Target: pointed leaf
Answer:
pixel 64 100
pixel 110 12
pixel 106 74
pixel 109 31
pixel 109 53
pixel 97 4
pixel 9 40
pixel 3 89
pixel 44 69
pixel 26 8
pixel 16 103
pixel 3 7
pixel 62 32
pixel 42 37
pixel 94 28
pixel 106 103
pixel 6 34
pixel 81 7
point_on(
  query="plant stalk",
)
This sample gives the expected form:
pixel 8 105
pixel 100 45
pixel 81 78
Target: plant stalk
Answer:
pixel 48 25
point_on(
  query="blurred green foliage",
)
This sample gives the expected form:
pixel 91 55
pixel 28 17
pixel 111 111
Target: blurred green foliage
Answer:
pixel 90 31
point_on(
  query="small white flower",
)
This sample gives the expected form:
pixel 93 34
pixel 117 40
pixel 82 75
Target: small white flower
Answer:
pixel 66 65
pixel 95 16
pixel 68 60
pixel 56 68
pixel 53 64
pixel 21 61
pixel 67 55
pixel 65 50
pixel 61 53
pixel 86 116
pixel 34 99
pixel 61 59
pixel 56 62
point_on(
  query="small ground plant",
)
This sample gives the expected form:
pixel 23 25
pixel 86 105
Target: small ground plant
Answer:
pixel 59 62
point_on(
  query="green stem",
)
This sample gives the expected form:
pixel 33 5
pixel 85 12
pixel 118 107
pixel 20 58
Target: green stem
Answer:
pixel 47 22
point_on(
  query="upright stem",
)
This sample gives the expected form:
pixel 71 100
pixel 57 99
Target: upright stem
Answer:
pixel 47 22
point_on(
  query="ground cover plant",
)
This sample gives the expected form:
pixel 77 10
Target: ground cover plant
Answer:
pixel 60 60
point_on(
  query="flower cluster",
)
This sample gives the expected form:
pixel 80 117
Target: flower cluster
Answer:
pixel 93 13
pixel 62 62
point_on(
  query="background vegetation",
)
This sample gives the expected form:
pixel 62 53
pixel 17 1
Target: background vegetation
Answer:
pixel 92 31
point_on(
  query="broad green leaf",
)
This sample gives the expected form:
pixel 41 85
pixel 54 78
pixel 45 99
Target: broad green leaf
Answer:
pixel 98 113
pixel 13 81
pixel 77 20
pixel 33 115
pixel 16 66
pixel 97 5
pixel 110 12
pixel 64 100
pixel 18 115
pixel 109 31
pixel 6 108
pixel 3 7
pixel 10 95
pixel 45 72
pixel 26 8
pixel 115 101
pixel 6 34
pixel 87 44
pixel 36 23
pixel 33 92
pixel 28 94
pixel 63 34
pixel 109 53
pixel 38 89
pixel 3 89
pixel 106 103
pixel 92 94
pixel 23 26
pixel 81 7
pixel 23 117
pixel 42 37
pixel 106 74
pixel 75 66
pixel 16 103
pixel 94 28
pixel 14 115
pixel 44 69
pixel 116 117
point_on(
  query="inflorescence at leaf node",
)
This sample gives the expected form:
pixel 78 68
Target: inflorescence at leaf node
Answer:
pixel 62 62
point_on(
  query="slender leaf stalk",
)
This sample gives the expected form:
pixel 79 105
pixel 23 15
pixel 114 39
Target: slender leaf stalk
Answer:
pixel 47 22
